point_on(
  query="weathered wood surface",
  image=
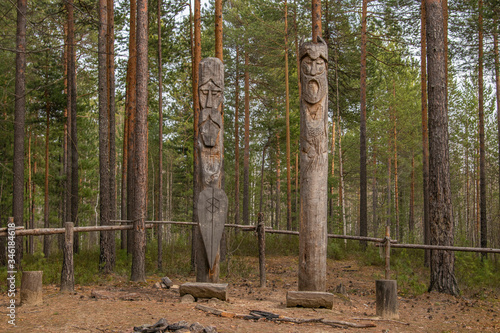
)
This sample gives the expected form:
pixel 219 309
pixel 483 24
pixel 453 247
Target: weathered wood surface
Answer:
pixel 212 212
pixel 67 273
pixel 313 165
pixel 387 299
pixel 210 151
pixel 204 290
pixel 309 299
pixel 31 288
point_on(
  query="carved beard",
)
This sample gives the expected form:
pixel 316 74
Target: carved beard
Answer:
pixel 314 87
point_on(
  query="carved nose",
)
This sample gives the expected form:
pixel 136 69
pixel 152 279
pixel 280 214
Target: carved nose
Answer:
pixel 210 100
pixel 314 69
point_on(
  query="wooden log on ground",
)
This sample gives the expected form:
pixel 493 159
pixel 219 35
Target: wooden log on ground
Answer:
pixel 31 288
pixel 67 273
pixel 204 290
pixel 387 299
pixel 309 299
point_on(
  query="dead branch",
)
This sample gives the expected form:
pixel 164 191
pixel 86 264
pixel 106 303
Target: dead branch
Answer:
pixel 257 315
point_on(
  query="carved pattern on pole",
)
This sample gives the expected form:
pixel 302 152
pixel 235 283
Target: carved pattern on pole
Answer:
pixel 212 202
pixel 313 165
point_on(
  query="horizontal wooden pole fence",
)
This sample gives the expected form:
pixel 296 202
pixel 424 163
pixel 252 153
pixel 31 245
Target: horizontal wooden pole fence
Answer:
pixel 445 248
pixel 55 231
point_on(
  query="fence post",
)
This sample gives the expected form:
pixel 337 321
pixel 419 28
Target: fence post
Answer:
pixel 67 274
pixel 386 291
pixel 261 232
pixel 387 253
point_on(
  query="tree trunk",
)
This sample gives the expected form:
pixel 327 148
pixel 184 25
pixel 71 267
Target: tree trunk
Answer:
pixel 287 120
pixel 110 44
pixel 363 186
pixel 497 84
pixel 316 20
pixel 440 206
pixel 46 223
pixel 425 132
pixel 482 153
pixel 196 110
pixel 29 186
pixel 69 101
pixel 123 205
pixel 19 122
pixel 140 167
pixel 106 259
pixel 131 114
pixel 159 210
pixel 278 179
pixel 411 220
pixel 218 30
pixel 73 132
pixel 399 233
pixel 374 194
pixel 237 141
pixel 64 171
pixel 246 156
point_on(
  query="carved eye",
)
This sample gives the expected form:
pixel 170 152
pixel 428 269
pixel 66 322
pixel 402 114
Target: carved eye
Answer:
pixel 204 92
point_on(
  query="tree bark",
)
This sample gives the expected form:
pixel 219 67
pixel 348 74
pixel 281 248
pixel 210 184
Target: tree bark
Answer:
pixel 411 220
pixel 123 205
pixel 46 223
pixel 110 45
pixel 73 146
pixel 316 19
pixel 399 232
pixel 497 83
pixel 196 110
pixel 363 186
pixel 440 206
pixel 106 259
pixel 237 141
pixel 218 30
pixel 246 156
pixel 287 120
pixel 19 123
pixel 482 153
pixel 140 170
pixel 160 143
pixel 131 115
pixel 425 132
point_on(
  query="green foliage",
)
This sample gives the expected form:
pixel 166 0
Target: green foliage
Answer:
pixel 475 275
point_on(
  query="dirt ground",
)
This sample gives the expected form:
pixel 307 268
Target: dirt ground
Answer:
pixel 133 304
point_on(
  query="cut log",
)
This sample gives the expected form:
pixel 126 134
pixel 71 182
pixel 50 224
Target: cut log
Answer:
pixel 31 288
pixel 387 299
pixel 309 299
pixel 204 290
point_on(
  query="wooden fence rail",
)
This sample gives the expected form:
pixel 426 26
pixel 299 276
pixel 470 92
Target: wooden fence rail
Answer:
pixel 67 273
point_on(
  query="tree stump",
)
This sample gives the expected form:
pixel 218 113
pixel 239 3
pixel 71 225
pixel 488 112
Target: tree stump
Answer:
pixel 387 299
pixel 31 288
pixel 204 290
pixel 309 299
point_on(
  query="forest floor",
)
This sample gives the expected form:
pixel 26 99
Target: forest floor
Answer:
pixel 131 304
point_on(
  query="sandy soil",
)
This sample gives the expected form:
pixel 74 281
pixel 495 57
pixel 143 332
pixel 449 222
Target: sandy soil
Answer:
pixel 133 304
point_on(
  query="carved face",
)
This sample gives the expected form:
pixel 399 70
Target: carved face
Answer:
pixel 314 80
pixel 210 95
pixel 313 67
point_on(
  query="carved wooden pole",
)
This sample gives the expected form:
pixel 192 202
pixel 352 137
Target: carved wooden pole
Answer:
pixel 212 201
pixel 313 165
